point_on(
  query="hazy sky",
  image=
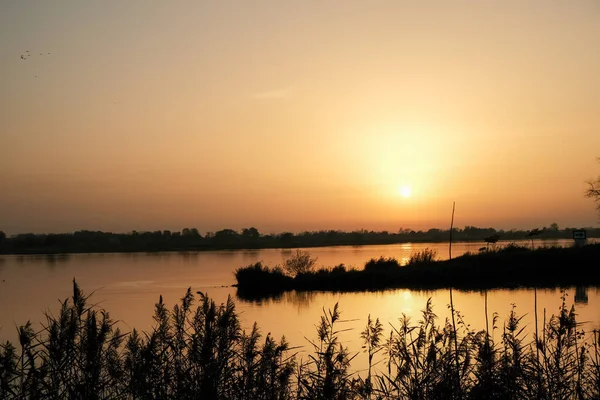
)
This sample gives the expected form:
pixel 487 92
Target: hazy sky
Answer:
pixel 297 115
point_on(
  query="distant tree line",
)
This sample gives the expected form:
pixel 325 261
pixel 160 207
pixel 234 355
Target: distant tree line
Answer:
pixel 190 239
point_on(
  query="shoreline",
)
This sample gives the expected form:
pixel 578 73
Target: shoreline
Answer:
pixel 42 252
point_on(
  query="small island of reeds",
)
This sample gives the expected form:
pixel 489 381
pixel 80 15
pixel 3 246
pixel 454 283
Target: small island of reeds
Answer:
pixel 507 267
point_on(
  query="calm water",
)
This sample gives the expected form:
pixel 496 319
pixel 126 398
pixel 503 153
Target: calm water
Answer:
pixel 128 285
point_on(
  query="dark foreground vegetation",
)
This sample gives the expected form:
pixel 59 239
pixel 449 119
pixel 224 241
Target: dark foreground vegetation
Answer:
pixel 507 267
pixel 250 238
pixel 198 351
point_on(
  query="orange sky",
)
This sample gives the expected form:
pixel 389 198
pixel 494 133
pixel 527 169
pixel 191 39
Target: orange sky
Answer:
pixel 297 115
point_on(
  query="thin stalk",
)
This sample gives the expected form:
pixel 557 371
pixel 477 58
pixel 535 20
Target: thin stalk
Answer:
pixel 537 348
pixel 544 333
pixel 596 344
pixel 578 361
pixel 22 369
pixel 487 325
pixel 596 334
pixel 545 345
pixel 452 303
pixel 451 227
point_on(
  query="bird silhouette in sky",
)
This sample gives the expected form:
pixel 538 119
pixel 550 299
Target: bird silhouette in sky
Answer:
pixel 27 54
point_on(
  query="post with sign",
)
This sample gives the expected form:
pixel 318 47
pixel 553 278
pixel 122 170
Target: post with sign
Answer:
pixel 580 237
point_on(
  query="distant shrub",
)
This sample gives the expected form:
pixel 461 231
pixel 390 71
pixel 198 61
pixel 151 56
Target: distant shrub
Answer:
pixel 299 263
pixel 492 239
pixel 382 264
pixel 422 257
pixel 513 247
pixel 338 269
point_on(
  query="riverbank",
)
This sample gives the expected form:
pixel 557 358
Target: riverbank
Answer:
pixel 250 239
pixel 509 267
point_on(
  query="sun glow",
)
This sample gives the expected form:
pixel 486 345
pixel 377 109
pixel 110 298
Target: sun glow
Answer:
pixel 405 191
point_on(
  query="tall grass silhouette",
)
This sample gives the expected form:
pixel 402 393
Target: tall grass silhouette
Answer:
pixel 197 350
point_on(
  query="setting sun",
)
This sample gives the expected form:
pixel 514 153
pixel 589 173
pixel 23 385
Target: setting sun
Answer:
pixel 405 191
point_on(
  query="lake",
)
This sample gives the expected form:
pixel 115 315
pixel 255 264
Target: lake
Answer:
pixel 129 284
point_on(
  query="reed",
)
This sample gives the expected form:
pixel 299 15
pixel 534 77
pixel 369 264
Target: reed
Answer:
pixel 424 256
pixel 197 349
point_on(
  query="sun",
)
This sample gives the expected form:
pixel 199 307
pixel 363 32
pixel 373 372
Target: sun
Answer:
pixel 405 191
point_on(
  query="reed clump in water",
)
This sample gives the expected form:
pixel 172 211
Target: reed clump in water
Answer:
pixel 424 256
pixel 259 275
pixel 198 350
pixel 507 267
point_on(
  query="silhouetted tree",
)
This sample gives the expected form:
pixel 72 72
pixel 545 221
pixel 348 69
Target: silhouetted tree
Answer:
pixel 593 191
pixel 251 232
pixel 226 233
pixel 286 237
pixel 226 238
pixel 491 239
pixel 2 236
pixel 300 263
